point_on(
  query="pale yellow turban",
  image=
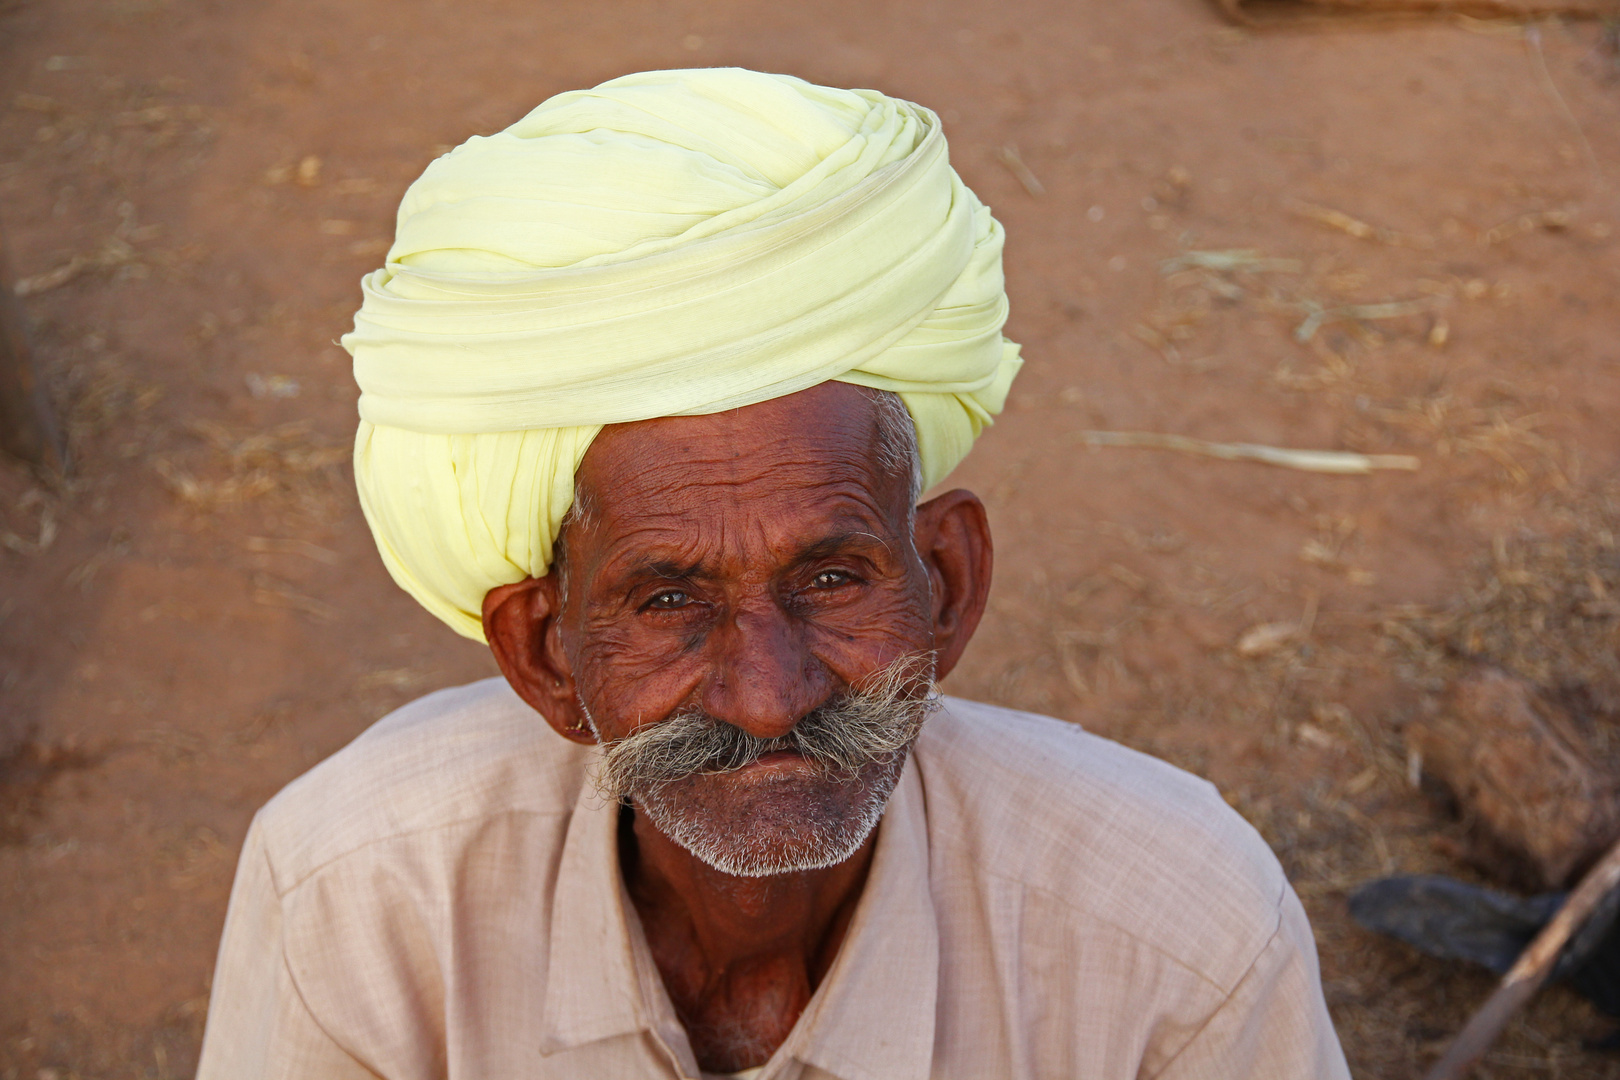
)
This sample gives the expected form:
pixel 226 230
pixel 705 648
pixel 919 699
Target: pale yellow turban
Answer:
pixel 669 243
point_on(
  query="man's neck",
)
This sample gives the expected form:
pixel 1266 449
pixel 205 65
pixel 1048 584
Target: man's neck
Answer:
pixel 740 957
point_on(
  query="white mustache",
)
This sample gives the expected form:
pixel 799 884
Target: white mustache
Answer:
pixel 866 725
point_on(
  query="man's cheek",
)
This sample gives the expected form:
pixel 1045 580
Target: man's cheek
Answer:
pixel 869 634
pixel 628 650
pixel 637 683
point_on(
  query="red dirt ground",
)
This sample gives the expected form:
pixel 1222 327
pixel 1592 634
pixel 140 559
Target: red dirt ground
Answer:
pixel 199 616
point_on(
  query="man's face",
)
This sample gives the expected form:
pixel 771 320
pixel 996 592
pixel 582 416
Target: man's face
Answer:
pixel 751 568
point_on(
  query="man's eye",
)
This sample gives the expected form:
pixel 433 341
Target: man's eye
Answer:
pixel 668 600
pixel 829 579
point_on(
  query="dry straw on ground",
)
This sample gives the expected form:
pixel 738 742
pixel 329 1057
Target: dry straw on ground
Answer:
pixel 1286 12
pixel 1543 607
pixel 288 460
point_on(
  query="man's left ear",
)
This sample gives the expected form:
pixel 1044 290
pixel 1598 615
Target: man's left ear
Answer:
pixel 952 535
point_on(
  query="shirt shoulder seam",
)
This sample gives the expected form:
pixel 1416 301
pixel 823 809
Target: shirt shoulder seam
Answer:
pixel 1226 996
pixel 303 1003
pixel 1159 950
pixel 401 834
pixel 286 963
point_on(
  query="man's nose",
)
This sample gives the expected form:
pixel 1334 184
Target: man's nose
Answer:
pixel 764 678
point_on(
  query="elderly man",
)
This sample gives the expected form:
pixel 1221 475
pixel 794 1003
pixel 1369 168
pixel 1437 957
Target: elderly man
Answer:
pixel 652 382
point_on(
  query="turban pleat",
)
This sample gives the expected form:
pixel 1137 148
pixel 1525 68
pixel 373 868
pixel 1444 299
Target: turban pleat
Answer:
pixel 669 243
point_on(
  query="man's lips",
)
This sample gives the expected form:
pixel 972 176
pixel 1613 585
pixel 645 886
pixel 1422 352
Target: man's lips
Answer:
pixel 777 757
pixel 773 761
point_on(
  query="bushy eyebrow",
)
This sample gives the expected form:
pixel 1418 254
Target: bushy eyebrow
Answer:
pixel 838 545
pixel 662 569
pixel 668 570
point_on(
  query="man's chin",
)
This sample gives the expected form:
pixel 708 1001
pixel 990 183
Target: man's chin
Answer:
pixel 780 815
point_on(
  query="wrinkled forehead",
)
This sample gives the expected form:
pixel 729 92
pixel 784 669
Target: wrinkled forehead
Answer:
pixel 814 451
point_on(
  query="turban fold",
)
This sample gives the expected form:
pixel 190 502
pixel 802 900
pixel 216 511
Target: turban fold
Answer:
pixel 668 243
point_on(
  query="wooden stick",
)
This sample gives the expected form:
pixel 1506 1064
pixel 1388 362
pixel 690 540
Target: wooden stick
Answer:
pixel 1522 981
pixel 27 428
pixel 1342 462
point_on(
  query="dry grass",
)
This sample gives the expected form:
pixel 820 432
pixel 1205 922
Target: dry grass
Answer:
pixel 1202 286
pixel 99 395
pixel 288 462
pixel 1361 230
pixel 1500 432
pixel 1544 607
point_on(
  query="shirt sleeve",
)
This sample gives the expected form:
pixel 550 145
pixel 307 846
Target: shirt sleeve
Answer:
pixel 259 1027
pixel 1275 1024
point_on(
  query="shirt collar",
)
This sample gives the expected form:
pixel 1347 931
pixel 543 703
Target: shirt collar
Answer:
pixel 592 988
pixel 872 1017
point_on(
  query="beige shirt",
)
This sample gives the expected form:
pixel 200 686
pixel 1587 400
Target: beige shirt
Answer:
pixel 442 898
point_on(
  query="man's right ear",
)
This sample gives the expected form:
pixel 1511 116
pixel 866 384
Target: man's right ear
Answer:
pixel 521 624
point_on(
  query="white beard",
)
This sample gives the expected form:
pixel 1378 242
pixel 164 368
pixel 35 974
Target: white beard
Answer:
pixel 807 833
